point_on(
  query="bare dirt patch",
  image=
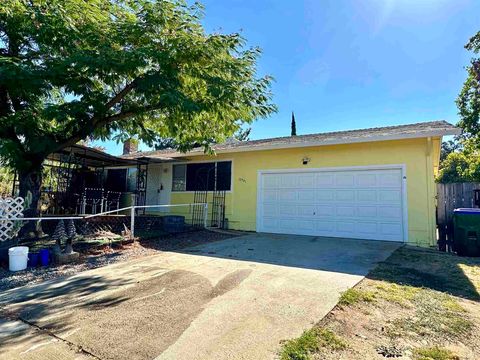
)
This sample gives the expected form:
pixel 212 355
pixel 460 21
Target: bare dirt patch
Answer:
pixel 418 304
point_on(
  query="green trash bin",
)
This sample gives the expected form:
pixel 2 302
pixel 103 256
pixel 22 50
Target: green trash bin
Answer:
pixel 466 231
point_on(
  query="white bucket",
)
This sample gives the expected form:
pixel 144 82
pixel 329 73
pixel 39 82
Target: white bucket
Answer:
pixel 18 258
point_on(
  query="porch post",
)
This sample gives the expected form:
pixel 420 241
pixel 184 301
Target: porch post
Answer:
pixel 132 218
pixel 205 215
pixel 14 183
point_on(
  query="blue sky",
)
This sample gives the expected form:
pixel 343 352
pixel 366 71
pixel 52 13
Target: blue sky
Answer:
pixel 349 64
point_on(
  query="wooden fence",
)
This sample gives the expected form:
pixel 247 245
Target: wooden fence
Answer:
pixel 450 197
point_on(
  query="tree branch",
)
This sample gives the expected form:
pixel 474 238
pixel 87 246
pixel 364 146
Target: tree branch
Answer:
pixel 119 97
pixel 86 131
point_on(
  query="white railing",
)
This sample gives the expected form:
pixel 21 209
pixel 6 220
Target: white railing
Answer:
pixel 131 209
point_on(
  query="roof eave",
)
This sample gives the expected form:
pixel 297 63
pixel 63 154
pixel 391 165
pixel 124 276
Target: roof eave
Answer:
pixel 417 135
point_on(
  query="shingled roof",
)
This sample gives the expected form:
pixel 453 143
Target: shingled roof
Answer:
pixel 418 130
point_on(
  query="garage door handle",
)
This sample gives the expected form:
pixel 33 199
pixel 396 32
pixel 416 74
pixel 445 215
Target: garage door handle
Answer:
pixel 314 213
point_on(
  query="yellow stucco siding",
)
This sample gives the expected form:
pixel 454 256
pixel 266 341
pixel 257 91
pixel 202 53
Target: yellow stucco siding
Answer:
pixel 419 155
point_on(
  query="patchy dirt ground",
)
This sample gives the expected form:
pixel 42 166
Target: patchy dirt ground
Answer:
pixel 419 304
pixel 106 255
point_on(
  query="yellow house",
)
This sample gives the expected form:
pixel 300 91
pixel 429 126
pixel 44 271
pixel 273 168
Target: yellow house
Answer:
pixel 373 184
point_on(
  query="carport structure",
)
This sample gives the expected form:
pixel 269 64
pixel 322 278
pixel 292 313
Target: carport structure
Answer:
pixel 81 179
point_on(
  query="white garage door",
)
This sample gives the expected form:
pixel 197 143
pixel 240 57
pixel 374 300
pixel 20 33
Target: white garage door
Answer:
pixel 363 204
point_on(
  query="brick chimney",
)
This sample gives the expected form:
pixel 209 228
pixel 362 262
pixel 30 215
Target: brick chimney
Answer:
pixel 130 146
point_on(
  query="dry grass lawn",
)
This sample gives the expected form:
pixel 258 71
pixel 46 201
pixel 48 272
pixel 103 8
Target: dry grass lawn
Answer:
pixel 419 304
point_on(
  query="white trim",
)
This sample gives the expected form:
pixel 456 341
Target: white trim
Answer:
pixel 401 167
pixel 314 143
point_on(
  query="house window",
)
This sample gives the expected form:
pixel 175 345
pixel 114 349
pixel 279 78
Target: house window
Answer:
pixel 202 176
pixel 121 180
pixel 132 179
pixel 116 180
pixel 179 177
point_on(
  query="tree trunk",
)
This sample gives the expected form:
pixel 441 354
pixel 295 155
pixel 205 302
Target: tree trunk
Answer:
pixel 30 182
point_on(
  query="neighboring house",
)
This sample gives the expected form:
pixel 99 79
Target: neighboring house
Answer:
pixel 366 184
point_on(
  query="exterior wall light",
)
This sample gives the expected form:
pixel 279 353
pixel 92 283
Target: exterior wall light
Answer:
pixel 305 160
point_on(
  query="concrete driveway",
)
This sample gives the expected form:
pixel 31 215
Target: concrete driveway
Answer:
pixel 232 299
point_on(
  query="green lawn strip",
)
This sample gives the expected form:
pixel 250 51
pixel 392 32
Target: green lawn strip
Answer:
pixel 399 294
pixel 436 315
pixel 354 295
pixel 309 342
pixel 434 353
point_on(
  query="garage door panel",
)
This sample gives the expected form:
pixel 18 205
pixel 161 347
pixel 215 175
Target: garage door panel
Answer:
pixel 365 204
pixel 389 195
pixel 345 227
pixel 391 212
pixel 390 180
pixel 367 228
pixel 270 181
pixel 324 210
pixel 287 195
pixel 325 228
pixel 325 180
pixel 291 225
pixel 366 211
pixel 270 223
pixel 345 195
pixel 287 210
pixel 344 180
pixel 346 211
pixel 367 180
pixel 306 181
pixel 270 210
pixel 390 228
pixel 306 210
pixel 270 195
pixel 324 195
pixel 289 181
pixel 367 195
pixel 306 196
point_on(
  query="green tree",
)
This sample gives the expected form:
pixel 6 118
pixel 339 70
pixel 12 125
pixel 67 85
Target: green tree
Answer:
pixel 461 164
pixel 293 126
pixel 243 134
pixel 448 147
pixel 74 69
pixel 169 143
pixel 468 102
pixel 6 181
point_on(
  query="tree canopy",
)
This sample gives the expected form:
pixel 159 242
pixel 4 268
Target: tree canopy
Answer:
pixel 460 162
pixel 468 101
pixel 460 158
pixel 72 69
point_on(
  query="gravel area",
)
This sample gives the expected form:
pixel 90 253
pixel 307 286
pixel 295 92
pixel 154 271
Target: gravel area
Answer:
pixel 108 255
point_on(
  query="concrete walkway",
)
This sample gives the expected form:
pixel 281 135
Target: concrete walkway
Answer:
pixel 232 299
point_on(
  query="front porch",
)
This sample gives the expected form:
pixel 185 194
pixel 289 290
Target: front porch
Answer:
pixel 97 190
pixel 80 180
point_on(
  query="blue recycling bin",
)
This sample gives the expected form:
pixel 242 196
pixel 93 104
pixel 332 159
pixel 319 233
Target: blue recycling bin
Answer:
pixel 44 255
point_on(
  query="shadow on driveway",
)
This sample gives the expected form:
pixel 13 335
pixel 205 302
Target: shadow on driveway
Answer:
pixel 348 256
pixel 109 317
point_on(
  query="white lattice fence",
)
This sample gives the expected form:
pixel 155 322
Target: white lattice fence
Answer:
pixel 10 208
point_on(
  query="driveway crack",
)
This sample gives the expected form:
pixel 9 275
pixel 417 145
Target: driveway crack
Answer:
pixel 76 347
